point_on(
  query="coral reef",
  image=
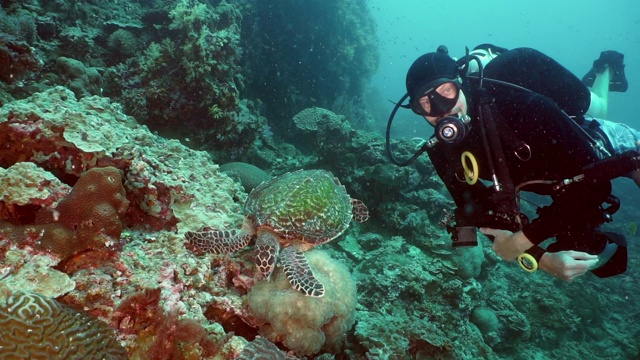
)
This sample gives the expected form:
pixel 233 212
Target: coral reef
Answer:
pixel 37 327
pixel 161 335
pixel 190 68
pixel 59 135
pixel 194 69
pixel 16 59
pixel 71 139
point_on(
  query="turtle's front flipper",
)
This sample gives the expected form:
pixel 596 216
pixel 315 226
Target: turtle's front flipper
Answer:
pixel 267 248
pixel 360 211
pixel 217 241
pixel 299 273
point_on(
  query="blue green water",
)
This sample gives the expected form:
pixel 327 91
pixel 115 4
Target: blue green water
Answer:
pixel 573 32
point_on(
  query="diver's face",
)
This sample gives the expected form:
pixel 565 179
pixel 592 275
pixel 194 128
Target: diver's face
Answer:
pixel 448 90
pixel 459 108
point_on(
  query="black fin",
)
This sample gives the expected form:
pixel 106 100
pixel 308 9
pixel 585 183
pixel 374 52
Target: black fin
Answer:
pixel 615 61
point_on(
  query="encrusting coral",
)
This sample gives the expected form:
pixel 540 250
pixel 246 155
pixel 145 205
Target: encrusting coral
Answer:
pixel 27 188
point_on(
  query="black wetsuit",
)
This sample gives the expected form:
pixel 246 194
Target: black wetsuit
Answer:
pixel 558 149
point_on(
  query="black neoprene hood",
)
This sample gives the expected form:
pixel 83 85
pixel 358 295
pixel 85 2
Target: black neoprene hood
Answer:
pixel 430 70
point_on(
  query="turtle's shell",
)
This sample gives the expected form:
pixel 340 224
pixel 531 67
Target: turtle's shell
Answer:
pixel 306 206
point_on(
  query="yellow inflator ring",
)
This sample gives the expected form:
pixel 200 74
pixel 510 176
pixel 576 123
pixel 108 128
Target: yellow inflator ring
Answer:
pixel 470 174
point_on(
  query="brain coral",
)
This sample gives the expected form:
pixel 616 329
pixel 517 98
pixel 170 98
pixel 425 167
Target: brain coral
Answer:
pixel 89 216
pixel 316 118
pixel 96 200
pixel 36 327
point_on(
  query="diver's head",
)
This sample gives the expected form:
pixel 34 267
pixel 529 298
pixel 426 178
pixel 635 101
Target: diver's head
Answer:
pixel 433 85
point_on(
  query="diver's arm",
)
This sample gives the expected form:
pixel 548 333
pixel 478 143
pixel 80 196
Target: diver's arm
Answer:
pixel 508 245
pixel 565 265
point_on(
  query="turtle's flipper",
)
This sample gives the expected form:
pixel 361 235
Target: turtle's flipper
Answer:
pixel 267 248
pixel 217 241
pixel 299 273
pixel 360 211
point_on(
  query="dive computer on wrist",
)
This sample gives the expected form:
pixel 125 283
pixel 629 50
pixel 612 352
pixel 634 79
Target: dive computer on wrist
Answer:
pixel 530 259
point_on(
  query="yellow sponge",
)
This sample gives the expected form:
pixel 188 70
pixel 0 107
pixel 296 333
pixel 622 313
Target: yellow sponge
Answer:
pixel 302 323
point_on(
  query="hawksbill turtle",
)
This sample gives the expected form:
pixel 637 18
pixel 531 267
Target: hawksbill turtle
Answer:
pixel 288 215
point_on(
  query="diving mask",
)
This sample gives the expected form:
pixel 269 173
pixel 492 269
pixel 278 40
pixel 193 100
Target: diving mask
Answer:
pixel 439 97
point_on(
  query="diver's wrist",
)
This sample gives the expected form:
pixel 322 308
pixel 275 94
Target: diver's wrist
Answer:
pixel 531 258
pixel 522 242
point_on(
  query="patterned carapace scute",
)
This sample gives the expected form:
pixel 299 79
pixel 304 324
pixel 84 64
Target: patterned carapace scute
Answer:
pixel 306 206
pixel 33 326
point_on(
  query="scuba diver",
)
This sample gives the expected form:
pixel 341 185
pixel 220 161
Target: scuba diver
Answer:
pixel 519 124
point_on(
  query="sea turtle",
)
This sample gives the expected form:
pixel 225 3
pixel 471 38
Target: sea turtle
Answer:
pixel 294 211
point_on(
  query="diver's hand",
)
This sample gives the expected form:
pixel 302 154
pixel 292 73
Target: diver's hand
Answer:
pixel 567 265
pixel 506 244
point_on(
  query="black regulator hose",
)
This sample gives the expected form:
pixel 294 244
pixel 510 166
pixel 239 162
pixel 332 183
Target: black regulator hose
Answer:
pixel 388 137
